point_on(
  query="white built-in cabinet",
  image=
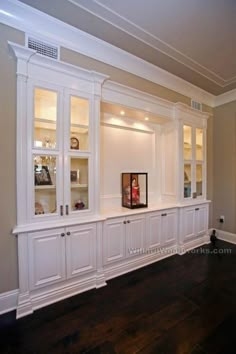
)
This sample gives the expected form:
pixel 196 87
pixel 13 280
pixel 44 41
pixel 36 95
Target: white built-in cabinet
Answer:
pixel 61 253
pixel 193 222
pixel 123 237
pixel 184 156
pixel 66 244
pixel 161 228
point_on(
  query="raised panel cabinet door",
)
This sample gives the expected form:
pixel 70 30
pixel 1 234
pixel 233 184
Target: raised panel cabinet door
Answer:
pixel 46 257
pixel 135 235
pixel 153 230
pixel 114 240
pixel 169 227
pixel 188 223
pixel 80 249
pixel 201 220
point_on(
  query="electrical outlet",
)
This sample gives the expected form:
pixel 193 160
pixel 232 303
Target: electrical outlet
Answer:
pixel 222 219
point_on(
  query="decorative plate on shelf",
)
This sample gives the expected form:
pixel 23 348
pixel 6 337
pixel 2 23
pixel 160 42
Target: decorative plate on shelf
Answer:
pixel 74 143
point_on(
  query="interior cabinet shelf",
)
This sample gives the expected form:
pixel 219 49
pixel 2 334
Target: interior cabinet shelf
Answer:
pixel 51 186
pixel 78 185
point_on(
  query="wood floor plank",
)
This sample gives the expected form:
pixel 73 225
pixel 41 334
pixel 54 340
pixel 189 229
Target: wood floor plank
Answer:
pixel 183 304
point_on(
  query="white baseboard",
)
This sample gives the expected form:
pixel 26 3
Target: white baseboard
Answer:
pixel 226 236
pixel 134 263
pixel 188 246
pixel 8 301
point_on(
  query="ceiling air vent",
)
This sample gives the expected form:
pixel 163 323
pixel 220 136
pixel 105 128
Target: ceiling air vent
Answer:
pixel 196 105
pixel 43 48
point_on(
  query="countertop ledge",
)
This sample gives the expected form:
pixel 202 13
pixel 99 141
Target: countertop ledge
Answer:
pixel 104 215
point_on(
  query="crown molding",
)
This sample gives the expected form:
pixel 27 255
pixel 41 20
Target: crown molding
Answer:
pixel 225 98
pixel 122 23
pixel 25 18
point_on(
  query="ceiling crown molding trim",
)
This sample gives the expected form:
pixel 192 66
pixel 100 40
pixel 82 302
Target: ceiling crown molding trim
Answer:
pixel 225 98
pixel 23 17
pixel 110 16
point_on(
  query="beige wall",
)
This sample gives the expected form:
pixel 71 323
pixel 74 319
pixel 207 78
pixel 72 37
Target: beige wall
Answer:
pixel 224 166
pixel 8 251
pixel 122 76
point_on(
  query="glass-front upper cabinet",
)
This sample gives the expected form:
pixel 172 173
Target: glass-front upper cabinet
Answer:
pixel 193 161
pixel 61 152
pixel 58 120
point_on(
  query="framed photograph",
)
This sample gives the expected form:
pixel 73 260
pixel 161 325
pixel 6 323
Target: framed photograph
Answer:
pixel 74 143
pixel 41 175
pixel 73 176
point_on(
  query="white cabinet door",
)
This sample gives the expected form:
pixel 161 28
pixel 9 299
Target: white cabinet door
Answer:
pixel 153 230
pixel 201 224
pixel 188 222
pixel 135 235
pixel 46 257
pixel 80 249
pixel 169 227
pixel 114 240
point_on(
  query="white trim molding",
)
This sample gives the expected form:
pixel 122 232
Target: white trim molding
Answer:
pixel 8 301
pixel 20 16
pixel 225 98
pixel 226 236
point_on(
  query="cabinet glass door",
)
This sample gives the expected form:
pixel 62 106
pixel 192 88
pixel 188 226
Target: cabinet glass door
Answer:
pixel 187 133
pixel 79 197
pixel 45 186
pixel 187 180
pixel 45 118
pixel 199 144
pixel 79 123
pixel 199 179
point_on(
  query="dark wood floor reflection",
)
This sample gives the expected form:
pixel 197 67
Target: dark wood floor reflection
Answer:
pixel 183 304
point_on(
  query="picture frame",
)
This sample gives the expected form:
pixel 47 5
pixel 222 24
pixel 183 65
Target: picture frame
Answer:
pixel 74 143
pixel 73 176
pixel 42 175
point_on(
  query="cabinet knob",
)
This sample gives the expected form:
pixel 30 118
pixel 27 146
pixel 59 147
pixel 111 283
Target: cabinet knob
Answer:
pixel 128 221
pixel 124 222
pixel 62 235
pixel 196 208
pixel 68 233
pixel 164 214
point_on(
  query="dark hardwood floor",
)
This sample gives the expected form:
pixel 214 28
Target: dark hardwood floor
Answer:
pixel 183 304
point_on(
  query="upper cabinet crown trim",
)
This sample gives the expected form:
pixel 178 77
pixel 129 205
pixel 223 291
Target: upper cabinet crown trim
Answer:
pixel 30 56
pixel 21 16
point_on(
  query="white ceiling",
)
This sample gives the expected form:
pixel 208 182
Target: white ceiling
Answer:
pixel 193 39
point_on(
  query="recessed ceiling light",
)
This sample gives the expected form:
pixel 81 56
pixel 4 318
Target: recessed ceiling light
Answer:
pixel 122 113
pixel 146 118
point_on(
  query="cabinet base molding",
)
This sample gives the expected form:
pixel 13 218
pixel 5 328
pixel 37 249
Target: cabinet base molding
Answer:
pixel 8 301
pixel 44 297
pixel 135 263
pixel 188 246
pixel 226 236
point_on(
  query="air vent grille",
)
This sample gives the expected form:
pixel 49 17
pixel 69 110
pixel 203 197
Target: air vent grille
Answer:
pixel 42 48
pixel 196 105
